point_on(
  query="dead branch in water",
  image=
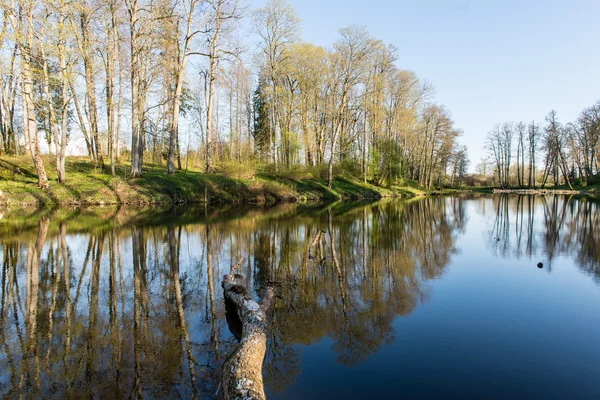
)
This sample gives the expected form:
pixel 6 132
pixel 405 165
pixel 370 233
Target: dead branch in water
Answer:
pixel 314 243
pixel 236 266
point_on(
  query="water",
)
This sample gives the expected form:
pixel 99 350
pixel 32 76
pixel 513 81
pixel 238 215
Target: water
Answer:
pixel 429 298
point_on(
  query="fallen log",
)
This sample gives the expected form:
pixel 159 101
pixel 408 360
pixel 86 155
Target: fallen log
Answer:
pixel 242 371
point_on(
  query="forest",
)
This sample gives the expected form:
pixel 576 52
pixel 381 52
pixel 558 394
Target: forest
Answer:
pixel 540 154
pixel 212 85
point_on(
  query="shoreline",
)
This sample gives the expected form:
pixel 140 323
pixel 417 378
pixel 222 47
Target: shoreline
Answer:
pixel 87 186
pixel 543 192
pixel 247 202
pixel 192 188
pixel 244 195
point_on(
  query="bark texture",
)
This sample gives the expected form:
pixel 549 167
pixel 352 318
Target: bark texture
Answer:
pixel 242 371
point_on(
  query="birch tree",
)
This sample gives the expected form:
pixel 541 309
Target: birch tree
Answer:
pixel 186 19
pixel 278 26
pixel 24 36
pixel 348 61
pixel 222 14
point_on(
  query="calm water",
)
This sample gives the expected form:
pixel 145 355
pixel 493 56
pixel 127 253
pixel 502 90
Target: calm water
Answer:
pixel 430 298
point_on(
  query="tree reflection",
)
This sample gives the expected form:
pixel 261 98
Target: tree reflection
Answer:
pixel 124 308
pixel 376 262
pixel 547 226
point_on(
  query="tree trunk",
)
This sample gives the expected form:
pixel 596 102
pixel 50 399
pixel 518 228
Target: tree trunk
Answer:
pixel 90 84
pixel 31 122
pixel 111 61
pixel 136 135
pixel 242 371
pixel 336 135
pixel 119 108
pixel 53 120
pixel 213 65
pixel 173 129
pixel 84 131
pixel 62 150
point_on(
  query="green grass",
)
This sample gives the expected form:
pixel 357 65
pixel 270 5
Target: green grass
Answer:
pixel 592 185
pixel 87 185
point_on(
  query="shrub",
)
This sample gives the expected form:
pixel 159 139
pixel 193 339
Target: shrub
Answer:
pixel 295 172
pixel 349 169
pixel 237 170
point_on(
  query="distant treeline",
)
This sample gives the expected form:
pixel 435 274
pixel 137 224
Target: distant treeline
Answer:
pixel 534 154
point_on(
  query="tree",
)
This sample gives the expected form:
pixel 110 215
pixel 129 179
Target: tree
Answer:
pixel 278 26
pixel 110 66
pixel 261 127
pixel 521 130
pixel 307 66
pixel 585 141
pixel 140 28
pixel 222 14
pixel 533 134
pixel 347 69
pixel 24 36
pixel 81 27
pixel 182 53
pixel 55 98
pixel 9 82
pixel 499 145
pixel 438 137
pixel 554 143
pixel 460 163
pixel 349 105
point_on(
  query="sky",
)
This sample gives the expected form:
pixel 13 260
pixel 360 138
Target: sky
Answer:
pixel 491 61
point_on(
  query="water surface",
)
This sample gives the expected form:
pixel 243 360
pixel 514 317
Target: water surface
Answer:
pixel 431 298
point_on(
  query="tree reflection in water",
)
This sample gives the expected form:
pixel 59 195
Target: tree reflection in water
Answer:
pixel 527 225
pixel 129 304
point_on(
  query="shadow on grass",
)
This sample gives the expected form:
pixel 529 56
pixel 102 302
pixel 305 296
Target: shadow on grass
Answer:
pixel 87 184
pixel 191 187
pixel 352 190
pixel 12 168
pixel 317 189
pixel 107 185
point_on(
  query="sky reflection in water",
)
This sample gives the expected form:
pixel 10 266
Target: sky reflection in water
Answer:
pixel 419 299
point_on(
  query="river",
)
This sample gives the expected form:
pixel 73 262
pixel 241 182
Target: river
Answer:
pixel 473 296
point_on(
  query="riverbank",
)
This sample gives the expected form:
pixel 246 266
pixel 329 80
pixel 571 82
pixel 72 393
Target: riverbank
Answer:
pixel 87 185
pixel 547 191
pixel 590 190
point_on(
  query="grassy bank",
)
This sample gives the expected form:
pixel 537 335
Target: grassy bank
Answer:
pixel 590 188
pixel 87 185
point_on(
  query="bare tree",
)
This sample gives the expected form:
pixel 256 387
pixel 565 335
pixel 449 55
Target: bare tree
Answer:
pixel 24 32
pixel 521 130
pixel 221 14
pixel 81 26
pixel 499 145
pixel 278 26
pixel 187 18
pixel 347 69
pixel 533 134
pixel 554 143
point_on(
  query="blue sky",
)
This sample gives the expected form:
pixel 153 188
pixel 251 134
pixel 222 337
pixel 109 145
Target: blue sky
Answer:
pixel 490 61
